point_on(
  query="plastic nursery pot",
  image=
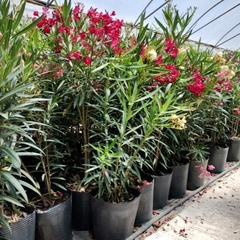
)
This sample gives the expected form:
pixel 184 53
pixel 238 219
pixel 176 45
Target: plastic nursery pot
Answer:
pixel 81 214
pixel 234 150
pixel 161 189
pixel 56 222
pixel 113 221
pixel 145 207
pixel 179 181
pixel 194 172
pixel 218 158
pixel 24 229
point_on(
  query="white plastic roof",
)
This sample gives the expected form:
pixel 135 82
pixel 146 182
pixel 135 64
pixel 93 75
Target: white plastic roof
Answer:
pixel 219 21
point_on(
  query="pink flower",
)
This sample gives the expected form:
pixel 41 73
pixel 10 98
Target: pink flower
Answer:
pixel 45 10
pixel 211 167
pixel 204 171
pixel 237 111
pixel 221 104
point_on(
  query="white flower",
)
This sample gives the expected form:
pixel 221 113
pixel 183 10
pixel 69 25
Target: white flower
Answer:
pixel 152 55
pixel 181 67
pixel 181 50
pixel 219 55
pixel 231 74
pixel 224 68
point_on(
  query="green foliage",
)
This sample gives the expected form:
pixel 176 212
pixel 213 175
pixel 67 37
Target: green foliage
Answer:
pixel 176 24
pixel 17 100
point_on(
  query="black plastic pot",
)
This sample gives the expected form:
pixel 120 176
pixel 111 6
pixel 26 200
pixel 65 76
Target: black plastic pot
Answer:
pixel 234 150
pixel 145 208
pixel 179 181
pixel 113 221
pixel 218 158
pixel 161 190
pixel 81 214
pixel 194 181
pixel 55 223
pixel 24 229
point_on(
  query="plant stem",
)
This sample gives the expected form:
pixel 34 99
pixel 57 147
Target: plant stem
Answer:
pixel 47 176
pixel 83 119
pixel 2 202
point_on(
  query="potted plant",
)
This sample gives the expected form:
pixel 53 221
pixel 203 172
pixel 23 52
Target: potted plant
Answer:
pixel 217 120
pixel 232 105
pixel 54 206
pixel 126 114
pixel 17 99
pixel 78 43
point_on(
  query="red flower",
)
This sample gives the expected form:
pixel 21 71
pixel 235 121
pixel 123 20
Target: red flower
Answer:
pixel 76 13
pixel 159 60
pixel 75 56
pixel 35 13
pixel 174 73
pixel 82 35
pixel 46 29
pixel 171 48
pixel 196 88
pixel 61 29
pixel 87 60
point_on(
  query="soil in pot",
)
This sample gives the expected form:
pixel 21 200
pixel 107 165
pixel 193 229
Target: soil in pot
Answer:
pixel 22 229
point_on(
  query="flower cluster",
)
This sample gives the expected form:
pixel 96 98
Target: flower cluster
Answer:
pixel 169 77
pixel 84 36
pixel 204 171
pixel 177 122
pixel 219 57
pixel 171 47
pixel 198 86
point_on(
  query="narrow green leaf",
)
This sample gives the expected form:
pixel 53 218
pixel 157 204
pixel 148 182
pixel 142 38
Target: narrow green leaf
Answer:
pixel 11 200
pixel 9 177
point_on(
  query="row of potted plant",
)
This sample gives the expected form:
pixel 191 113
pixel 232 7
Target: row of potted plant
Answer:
pixel 91 106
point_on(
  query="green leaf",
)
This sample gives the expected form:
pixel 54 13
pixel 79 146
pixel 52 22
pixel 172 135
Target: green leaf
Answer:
pixel 12 155
pixel 29 186
pixel 11 200
pixel 29 27
pixel 59 185
pixel 5 223
pixel 8 177
pixel 29 177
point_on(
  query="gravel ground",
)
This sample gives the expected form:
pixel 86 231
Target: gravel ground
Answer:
pixel 212 214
